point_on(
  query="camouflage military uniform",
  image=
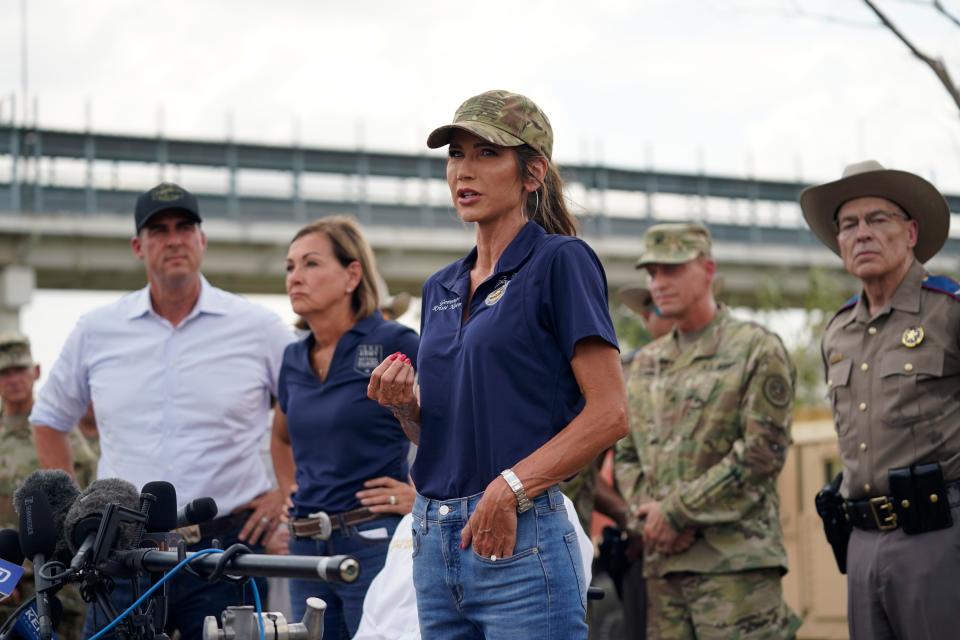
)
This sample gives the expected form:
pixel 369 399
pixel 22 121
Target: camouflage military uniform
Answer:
pixel 582 491
pixel 710 427
pixel 18 458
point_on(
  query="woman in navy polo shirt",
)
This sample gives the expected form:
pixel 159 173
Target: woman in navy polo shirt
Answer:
pixel 519 388
pixel 338 441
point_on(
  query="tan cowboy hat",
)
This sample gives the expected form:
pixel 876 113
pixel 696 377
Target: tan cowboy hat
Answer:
pixel 635 297
pixel 396 305
pixel 638 298
pixel 917 197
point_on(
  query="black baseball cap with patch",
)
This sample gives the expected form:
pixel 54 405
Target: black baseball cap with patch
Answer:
pixel 166 196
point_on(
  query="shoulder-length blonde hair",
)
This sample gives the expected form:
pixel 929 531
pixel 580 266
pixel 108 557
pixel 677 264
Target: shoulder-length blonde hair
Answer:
pixel 349 245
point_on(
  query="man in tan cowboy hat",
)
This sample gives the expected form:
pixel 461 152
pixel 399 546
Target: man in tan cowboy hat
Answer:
pixel 710 407
pixel 892 358
pixel 639 300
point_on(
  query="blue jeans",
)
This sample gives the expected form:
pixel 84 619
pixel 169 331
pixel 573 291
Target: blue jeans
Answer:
pixel 344 601
pixel 190 599
pixel 538 593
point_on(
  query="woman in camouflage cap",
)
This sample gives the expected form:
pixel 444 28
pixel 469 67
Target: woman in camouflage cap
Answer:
pixel 520 388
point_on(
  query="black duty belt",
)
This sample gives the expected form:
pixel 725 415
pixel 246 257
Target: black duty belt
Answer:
pixel 875 514
pixel 320 525
pixel 217 527
pixel 880 513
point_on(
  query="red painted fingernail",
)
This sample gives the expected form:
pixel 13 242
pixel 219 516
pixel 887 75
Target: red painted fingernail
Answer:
pixel 393 357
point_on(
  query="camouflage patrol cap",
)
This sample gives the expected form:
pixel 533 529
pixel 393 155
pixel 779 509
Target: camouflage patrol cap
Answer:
pixel 674 243
pixel 165 196
pixel 502 118
pixel 14 350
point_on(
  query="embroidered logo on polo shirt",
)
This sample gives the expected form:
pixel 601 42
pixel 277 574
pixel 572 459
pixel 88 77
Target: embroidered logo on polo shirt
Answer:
pixel 495 295
pixel 367 358
pixel 452 303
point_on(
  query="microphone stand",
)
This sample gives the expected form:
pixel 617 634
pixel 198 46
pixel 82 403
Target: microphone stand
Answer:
pixel 145 623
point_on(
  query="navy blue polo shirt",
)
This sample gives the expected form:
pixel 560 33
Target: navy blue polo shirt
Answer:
pixel 497 387
pixel 340 437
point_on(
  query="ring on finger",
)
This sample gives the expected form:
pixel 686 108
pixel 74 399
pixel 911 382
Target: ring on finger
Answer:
pixel 392 500
pixel 264 520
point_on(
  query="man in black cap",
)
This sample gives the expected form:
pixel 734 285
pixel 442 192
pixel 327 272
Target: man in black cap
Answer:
pixel 181 375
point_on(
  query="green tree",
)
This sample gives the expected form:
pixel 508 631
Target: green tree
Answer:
pixel 824 297
pixel 630 329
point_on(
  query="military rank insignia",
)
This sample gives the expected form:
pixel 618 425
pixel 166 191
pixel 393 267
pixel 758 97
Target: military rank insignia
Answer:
pixel 912 337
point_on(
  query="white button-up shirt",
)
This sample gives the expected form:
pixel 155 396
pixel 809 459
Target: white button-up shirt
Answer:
pixel 185 404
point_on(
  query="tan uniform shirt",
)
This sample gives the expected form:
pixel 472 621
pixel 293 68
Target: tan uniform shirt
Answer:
pixel 894 383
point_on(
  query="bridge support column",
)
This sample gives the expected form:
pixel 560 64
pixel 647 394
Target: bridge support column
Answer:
pixel 17 283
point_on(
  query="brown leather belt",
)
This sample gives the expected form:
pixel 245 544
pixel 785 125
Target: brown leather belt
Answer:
pixel 320 525
pixel 214 528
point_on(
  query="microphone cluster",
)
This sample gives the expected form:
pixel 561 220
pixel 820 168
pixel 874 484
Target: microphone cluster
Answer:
pixel 111 530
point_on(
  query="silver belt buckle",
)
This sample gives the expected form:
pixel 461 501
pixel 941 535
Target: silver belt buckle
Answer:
pixel 326 526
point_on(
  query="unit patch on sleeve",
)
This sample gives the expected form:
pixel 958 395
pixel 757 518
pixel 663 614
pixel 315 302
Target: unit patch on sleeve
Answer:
pixel 776 390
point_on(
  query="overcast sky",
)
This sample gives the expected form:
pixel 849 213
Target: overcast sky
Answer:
pixel 776 88
pixel 772 88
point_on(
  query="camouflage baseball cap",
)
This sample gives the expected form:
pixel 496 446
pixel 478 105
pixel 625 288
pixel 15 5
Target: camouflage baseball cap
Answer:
pixel 14 350
pixel 674 243
pixel 501 118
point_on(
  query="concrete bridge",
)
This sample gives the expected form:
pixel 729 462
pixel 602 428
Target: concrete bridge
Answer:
pixel 66 201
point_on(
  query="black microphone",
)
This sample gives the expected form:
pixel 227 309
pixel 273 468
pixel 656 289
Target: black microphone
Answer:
pixel 10 546
pixel 11 561
pixel 83 518
pixel 196 511
pixel 38 539
pixel 27 624
pixel 163 513
pixel 60 491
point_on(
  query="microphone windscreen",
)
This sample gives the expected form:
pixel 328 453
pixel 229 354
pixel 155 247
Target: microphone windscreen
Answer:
pixel 200 510
pixel 10 546
pixel 38 532
pixel 163 512
pixel 90 504
pixel 60 490
pixel 58 487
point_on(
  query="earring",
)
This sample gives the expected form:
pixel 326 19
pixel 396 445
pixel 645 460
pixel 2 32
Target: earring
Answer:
pixel 537 206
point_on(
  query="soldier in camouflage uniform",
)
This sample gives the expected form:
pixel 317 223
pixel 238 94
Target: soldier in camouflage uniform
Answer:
pixel 18 459
pixel 710 407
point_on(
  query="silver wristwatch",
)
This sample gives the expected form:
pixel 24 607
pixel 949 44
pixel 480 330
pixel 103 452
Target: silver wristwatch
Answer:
pixel 523 502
